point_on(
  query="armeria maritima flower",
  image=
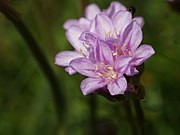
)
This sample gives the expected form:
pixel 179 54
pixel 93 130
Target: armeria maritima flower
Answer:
pixel 107 47
pixel 75 27
pixel 126 43
pixel 102 69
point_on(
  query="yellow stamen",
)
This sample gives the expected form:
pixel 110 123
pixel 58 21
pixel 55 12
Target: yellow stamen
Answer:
pixel 107 34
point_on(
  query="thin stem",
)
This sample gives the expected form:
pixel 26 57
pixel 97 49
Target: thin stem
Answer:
pixel 139 115
pixel 14 17
pixel 44 25
pixel 93 117
pixel 130 117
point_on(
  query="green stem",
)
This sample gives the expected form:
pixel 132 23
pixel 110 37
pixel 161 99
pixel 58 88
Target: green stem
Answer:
pixel 14 17
pixel 93 117
pixel 130 117
pixel 139 115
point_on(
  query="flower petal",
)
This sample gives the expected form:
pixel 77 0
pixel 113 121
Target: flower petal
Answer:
pixel 65 57
pixel 118 86
pixel 89 38
pixel 84 23
pixel 142 54
pixel 103 54
pixel 70 70
pixel 132 36
pixel 122 63
pixel 89 85
pixel 93 26
pixel 73 35
pixel 131 70
pixel 120 20
pixel 69 23
pixel 91 11
pixel 84 66
pixel 139 20
pixel 103 25
pixel 114 8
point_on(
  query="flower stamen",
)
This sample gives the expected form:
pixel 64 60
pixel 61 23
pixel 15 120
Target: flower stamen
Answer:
pixel 107 72
pixel 110 73
pixel 107 34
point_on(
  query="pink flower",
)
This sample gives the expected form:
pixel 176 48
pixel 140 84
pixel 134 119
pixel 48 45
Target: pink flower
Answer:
pixel 75 27
pixel 102 70
pixel 126 43
pixel 107 48
pixel 130 45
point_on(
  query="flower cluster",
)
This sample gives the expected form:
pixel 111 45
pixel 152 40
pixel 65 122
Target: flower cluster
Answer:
pixel 107 48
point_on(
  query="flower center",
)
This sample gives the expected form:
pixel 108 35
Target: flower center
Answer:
pixel 106 71
pixel 110 73
pixel 123 50
pixel 126 51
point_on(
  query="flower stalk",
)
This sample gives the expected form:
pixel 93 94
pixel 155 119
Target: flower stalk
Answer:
pixel 130 117
pixel 93 114
pixel 139 115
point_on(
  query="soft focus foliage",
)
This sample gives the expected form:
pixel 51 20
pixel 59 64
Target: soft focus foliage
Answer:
pixel 26 104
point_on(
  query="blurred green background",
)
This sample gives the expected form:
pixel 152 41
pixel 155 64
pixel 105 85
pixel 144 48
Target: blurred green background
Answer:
pixel 26 101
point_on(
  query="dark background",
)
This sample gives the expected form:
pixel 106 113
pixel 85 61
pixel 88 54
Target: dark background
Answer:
pixel 26 102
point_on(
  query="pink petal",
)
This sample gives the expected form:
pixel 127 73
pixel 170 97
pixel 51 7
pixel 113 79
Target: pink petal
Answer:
pixel 117 86
pixel 91 11
pixel 139 20
pixel 65 57
pixel 122 63
pixel 114 8
pixel 70 70
pixel 89 38
pixel 131 70
pixel 142 54
pixel 120 20
pixel 89 85
pixel 103 53
pixel 93 26
pixel 73 35
pixel 84 23
pixel 132 36
pixel 103 25
pixel 69 23
pixel 84 66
